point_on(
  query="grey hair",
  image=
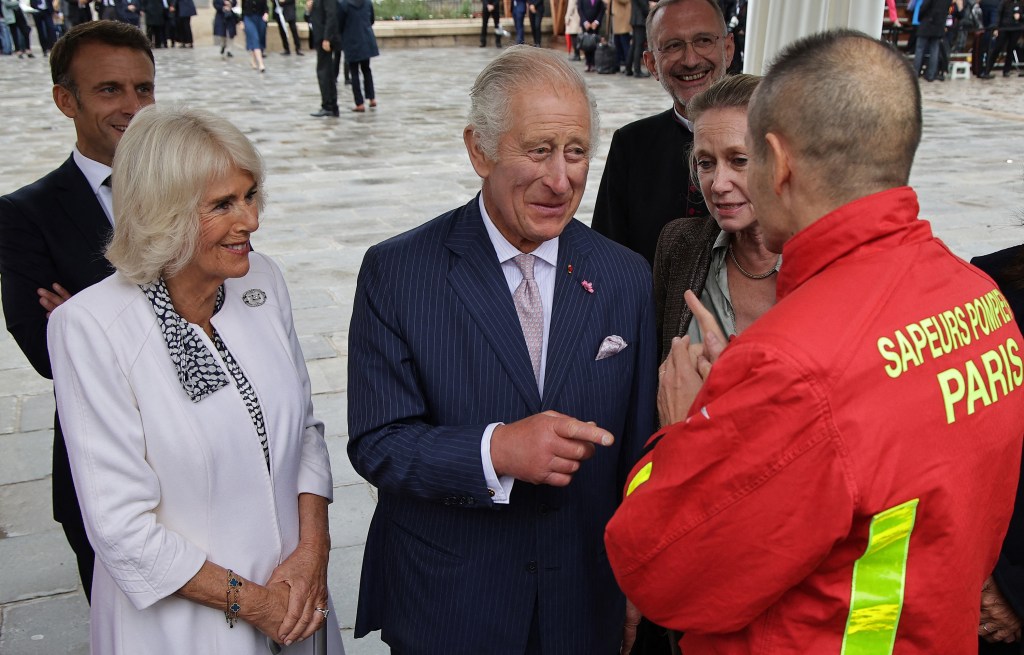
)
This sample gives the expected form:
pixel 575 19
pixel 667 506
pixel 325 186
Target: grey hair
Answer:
pixel 517 68
pixel 165 161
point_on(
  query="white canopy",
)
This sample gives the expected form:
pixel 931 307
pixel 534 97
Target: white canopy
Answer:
pixel 773 24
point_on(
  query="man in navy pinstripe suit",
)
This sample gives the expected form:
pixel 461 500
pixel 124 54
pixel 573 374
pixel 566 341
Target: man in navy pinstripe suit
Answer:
pixel 500 444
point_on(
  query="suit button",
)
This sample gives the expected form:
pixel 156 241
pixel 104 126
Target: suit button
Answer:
pixel 531 567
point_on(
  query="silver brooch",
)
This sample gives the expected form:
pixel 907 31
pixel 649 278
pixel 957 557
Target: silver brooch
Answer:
pixel 254 297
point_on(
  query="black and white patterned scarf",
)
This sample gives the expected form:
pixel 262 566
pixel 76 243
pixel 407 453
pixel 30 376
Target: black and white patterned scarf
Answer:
pixel 198 370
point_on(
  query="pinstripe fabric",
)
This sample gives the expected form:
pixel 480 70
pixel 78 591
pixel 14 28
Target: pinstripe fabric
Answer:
pixel 435 354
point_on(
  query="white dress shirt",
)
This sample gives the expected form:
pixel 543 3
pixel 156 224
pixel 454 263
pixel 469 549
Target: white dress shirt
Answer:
pixel 544 274
pixel 95 173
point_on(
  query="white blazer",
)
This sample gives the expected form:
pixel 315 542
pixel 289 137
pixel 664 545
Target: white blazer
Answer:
pixel 166 484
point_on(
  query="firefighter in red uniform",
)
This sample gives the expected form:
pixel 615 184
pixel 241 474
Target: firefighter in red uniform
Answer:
pixel 844 477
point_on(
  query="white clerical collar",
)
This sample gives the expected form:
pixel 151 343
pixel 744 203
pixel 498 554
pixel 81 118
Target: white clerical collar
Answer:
pixel 682 119
pixel 94 171
pixel 547 251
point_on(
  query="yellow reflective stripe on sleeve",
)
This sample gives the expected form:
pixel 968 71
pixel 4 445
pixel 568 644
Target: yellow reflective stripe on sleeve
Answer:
pixel 642 476
pixel 879 578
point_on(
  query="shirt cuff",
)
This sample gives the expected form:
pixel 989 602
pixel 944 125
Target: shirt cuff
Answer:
pixel 499 488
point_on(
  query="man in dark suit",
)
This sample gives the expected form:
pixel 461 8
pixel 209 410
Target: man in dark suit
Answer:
pixel 646 181
pixel 53 232
pixel 536 10
pixel 491 11
pixel 501 381
pixel 323 28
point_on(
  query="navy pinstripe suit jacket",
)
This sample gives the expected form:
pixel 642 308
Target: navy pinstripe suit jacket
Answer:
pixel 436 353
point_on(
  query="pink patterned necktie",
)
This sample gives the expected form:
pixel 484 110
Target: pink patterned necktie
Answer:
pixel 530 310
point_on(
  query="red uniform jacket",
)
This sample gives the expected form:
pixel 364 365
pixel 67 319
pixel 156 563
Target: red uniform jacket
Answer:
pixel 846 475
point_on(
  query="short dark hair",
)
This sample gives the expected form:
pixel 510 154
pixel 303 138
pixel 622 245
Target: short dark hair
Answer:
pixel 106 32
pixel 665 3
pixel 847 103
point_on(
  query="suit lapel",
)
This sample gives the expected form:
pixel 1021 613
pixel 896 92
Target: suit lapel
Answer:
pixel 81 205
pixel 475 276
pixel 572 305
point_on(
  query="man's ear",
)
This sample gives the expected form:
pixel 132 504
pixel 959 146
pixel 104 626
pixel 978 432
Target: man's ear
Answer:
pixel 779 155
pixel 477 157
pixel 649 63
pixel 65 101
pixel 730 50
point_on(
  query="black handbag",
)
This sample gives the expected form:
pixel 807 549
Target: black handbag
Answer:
pixel 588 42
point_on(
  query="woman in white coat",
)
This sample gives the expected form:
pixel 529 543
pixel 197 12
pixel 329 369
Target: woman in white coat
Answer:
pixel 203 476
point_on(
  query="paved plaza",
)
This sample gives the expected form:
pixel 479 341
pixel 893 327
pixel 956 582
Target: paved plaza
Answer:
pixel 337 186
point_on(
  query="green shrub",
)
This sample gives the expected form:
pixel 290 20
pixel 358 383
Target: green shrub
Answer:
pixel 422 9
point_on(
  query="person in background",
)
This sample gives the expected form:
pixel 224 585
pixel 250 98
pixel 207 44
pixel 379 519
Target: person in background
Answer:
pixel 638 21
pixel 931 28
pixel 1011 23
pixel 990 22
pixel 535 8
pixel 128 12
pixel 155 13
pixel 225 24
pixel 646 181
pixel 184 10
pixel 53 231
pixel 76 12
pixel 591 17
pixel 21 32
pixel 46 31
pixel 519 20
pixel 721 259
pixel 355 27
pixel 573 27
pixel 285 10
pixel 7 39
pixel 621 10
pixel 491 12
pixel 254 22
pixel 1002 595
pixel 323 31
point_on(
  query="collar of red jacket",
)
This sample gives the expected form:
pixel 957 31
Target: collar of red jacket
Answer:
pixel 868 225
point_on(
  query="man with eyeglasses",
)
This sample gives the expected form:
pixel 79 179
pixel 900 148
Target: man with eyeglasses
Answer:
pixel 646 181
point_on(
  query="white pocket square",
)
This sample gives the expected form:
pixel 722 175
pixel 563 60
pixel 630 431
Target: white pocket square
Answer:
pixel 612 345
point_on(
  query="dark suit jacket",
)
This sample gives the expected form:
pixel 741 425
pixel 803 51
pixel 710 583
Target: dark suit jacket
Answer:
pixel 436 353
pixel 323 22
pixel 126 16
pixel 591 12
pixel 646 183
pixel 53 230
pixel 1009 571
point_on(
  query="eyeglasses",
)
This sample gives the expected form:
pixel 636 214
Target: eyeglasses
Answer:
pixel 702 45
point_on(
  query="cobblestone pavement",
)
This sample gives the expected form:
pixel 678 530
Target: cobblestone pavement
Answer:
pixel 336 186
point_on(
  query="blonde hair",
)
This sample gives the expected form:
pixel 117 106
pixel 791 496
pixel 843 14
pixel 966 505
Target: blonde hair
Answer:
pixel 730 92
pixel 163 165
